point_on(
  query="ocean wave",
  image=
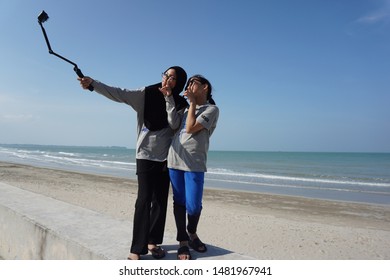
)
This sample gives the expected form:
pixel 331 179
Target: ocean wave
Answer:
pixel 252 176
pixel 121 161
pixel 91 162
pixel 61 158
pixel 301 187
pixel 69 154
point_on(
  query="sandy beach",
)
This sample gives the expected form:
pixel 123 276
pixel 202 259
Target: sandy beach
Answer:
pixel 257 225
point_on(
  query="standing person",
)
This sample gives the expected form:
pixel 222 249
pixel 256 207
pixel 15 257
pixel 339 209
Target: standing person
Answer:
pixel 154 136
pixel 187 160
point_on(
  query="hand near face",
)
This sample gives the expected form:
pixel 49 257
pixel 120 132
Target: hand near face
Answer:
pixel 168 83
pixel 190 95
pixel 166 90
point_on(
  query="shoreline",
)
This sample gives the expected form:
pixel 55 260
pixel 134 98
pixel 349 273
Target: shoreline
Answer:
pixel 263 226
pixel 212 186
pixel 362 179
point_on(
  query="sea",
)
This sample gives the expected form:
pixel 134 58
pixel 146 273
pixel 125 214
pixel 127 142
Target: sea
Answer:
pixel 353 177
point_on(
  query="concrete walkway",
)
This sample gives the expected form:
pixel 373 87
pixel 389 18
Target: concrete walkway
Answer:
pixel 33 226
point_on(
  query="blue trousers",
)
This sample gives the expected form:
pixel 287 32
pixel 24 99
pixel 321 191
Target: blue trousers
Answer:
pixel 187 189
pixel 187 198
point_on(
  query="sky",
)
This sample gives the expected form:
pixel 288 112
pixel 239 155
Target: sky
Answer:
pixel 303 75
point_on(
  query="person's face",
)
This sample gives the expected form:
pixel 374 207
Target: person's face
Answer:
pixel 196 91
pixel 196 87
pixel 169 78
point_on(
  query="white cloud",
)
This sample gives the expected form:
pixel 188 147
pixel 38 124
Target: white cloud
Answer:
pixel 17 118
pixel 373 21
pixel 380 15
pixel 17 110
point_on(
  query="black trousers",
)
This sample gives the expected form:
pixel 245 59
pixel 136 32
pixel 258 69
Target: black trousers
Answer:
pixel 179 212
pixel 151 205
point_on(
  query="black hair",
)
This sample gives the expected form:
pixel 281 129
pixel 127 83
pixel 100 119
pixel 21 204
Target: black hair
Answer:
pixel 203 81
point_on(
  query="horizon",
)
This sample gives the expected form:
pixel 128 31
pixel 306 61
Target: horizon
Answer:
pixel 233 151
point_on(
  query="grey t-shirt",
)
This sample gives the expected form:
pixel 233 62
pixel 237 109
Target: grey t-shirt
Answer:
pixel 151 145
pixel 188 151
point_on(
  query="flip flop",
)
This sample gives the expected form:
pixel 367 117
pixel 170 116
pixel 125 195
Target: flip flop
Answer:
pixel 184 251
pixel 130 259
pixel 197 245
pixel 157 252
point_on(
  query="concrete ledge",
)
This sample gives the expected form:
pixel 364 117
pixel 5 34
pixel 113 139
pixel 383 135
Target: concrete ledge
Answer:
pixel 36 227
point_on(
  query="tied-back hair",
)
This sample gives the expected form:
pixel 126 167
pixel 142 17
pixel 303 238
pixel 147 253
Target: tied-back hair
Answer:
pixel 203 81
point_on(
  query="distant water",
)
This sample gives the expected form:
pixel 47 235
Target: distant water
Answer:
pixel 357 177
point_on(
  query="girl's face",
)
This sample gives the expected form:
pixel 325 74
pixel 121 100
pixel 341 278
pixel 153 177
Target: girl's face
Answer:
pixel 196 91
pixel 169 78
pixel 196 87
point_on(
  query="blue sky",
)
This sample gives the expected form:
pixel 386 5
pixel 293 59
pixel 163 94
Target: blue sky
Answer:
pixel 303 75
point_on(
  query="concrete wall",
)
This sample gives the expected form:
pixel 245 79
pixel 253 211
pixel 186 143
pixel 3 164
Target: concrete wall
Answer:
pixel 36 227
pixel 23 238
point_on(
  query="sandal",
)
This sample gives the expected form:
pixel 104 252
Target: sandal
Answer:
pixel 131 259
pixel 157 252
pixel 197 245
pixel 184 251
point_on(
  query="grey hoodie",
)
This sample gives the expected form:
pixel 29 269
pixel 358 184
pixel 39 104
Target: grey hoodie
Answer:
pixel 151 145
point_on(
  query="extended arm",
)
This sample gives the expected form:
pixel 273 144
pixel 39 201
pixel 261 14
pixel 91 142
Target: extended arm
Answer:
pixel 134 98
